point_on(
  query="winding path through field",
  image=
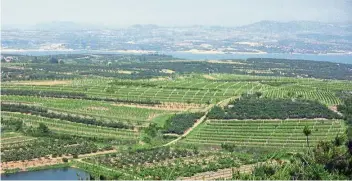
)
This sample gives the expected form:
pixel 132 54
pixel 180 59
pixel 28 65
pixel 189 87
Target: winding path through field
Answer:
pixel 206 110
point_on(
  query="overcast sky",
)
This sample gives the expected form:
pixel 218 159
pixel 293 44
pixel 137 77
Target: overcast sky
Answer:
pixel 173 12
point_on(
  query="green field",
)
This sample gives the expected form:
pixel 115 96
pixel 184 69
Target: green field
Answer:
pixel 74 128
pixel 98 109
pixel 274 134
pixel 199 90
pixel 130 119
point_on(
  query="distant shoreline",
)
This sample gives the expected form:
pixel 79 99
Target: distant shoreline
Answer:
pixel 193 51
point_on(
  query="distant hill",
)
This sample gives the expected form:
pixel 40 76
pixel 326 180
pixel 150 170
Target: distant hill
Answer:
pixel 296 27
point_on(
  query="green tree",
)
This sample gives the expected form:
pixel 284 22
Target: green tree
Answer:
pixel 339 140
pixel 18 126
pixel 151 130
pixel 43 128
pixel 290 94
pixel 307 132
pixel 258 94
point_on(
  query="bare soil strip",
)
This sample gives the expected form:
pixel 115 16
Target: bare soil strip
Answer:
pixel 164 106
pixel 55 82
pixel 334 108
pixel 23 166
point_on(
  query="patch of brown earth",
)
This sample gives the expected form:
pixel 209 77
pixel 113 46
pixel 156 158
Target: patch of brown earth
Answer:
pixel 333 108
pixel 30 163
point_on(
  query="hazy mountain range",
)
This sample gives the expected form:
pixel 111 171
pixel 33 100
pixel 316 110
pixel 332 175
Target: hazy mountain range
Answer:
pixel 262 26
pixel 263 36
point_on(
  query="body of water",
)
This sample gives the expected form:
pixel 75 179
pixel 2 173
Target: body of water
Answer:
pixel 50 174
pixel 343 58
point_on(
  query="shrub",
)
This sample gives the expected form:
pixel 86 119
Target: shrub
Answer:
pixel 65 160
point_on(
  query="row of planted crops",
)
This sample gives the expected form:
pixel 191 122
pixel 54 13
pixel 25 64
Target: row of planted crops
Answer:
pixel 87 107
pixel 323 96
pixel 273 134
pixel 190 90
pixel 45 147
pixel 184 92
pixel 168 163
pixel 71 128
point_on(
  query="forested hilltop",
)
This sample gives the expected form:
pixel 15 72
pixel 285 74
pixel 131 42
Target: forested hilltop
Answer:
pixel 153 117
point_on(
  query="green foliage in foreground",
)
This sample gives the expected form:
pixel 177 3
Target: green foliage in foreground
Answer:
pixel 328 161
pixel 346 110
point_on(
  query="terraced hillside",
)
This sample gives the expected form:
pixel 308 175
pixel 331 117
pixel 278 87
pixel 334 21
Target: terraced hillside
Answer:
pixel 192 91
pixel 164 119
pixel 98 109
pixel 75 129
pixel 272 134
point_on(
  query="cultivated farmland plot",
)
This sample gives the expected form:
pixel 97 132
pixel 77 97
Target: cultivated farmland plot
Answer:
pixel 66 127
pixel 198 90
pixel 99 109
pixel 275 134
